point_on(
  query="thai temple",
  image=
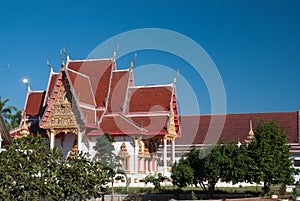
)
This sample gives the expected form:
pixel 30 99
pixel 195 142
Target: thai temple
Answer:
pixel 88 98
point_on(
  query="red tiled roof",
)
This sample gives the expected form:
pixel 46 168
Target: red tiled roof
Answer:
pixel 89 115
pixel 51 84
pixel 118 91
pixel 99 73
pixel 152 124
pixel 82 88
pixel 149 99
pixel 118 125
pixel 194 129
pixel 34 103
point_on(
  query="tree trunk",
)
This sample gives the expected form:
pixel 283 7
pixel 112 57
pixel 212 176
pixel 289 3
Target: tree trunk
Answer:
pixel 266 187
pixel 128 181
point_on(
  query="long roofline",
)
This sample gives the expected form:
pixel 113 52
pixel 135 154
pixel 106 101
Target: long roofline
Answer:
pixel 250 113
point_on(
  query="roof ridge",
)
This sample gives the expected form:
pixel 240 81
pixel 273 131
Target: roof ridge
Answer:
pixel 48 85
pixel 151 86
pixel 90 60
pixel 121 70
pixel 132 123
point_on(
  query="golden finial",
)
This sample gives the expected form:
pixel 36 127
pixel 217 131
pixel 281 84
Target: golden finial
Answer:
pixel 250 136
pixel 116 50
pixel 176 76
pixel 133 61
pixel 24 128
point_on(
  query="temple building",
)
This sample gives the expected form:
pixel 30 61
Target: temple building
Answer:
pixel 88 98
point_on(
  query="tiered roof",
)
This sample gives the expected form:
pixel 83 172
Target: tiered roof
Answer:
pixel 107 100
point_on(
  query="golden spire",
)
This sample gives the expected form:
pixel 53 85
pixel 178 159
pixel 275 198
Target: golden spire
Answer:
pixel 175 77
pixel 132 62
pixel 24 128
pixel 115 52
pixel 250 136
pixel 123 147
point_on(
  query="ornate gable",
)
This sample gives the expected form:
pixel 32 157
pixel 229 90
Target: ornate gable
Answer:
pixel 62 113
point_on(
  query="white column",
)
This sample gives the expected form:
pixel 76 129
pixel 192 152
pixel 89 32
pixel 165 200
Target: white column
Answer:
pixel 165 155
pixel 136 151
pixel 52 140
pixel 173 151
pixel 79 140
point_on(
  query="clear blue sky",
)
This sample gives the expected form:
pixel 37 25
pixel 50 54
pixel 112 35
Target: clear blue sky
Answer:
pixel 255 44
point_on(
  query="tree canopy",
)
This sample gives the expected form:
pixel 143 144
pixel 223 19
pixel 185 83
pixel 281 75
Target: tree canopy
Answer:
pixel 30 170
pixel 270 152
pixel 11 114
pixel 265 159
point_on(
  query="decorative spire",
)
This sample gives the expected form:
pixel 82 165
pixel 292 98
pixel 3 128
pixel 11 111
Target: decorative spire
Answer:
pixel 66 53
pixel 115 52
pixel 123 147
pixel 175 77
pixel 26 82
pixel 24 128
pixel 61 58
pixel 50 66
pixel 132 62
pixel 250 136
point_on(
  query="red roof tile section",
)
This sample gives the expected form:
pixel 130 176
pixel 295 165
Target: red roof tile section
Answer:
pixel 149 99
pixel 118 90
pixel 194 129
pixel 82 87
pixel 51 84
pixel 99 73
pixel 34 103
pixel 119 124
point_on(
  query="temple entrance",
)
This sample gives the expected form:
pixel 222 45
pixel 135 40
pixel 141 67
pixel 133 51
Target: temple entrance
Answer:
pixel 67 142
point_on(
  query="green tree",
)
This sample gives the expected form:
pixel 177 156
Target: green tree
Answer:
pixel 155 180
pixel 7 111
pixel 15 119
pixel 271 154
pixel 224 161
pixel 105 155
pixel 197 164
pixel 31 171
pixel 182 173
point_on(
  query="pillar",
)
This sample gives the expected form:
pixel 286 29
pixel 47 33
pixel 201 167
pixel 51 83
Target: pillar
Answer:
pixel 165 155
pixel 173 151
pixel 79 140
pixel 136 151
pixel 52 140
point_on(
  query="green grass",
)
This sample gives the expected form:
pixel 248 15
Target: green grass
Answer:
pixel 188 190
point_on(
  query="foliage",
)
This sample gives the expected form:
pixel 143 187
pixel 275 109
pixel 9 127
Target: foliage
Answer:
pixel 271 154
pixel 155 180
pixel 193 196
pixel 105 155
pixel 223 161
pixel 10 114
pixel 182 174
pixel 30 170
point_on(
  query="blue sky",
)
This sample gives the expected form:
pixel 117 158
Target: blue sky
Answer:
pixel 254 44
